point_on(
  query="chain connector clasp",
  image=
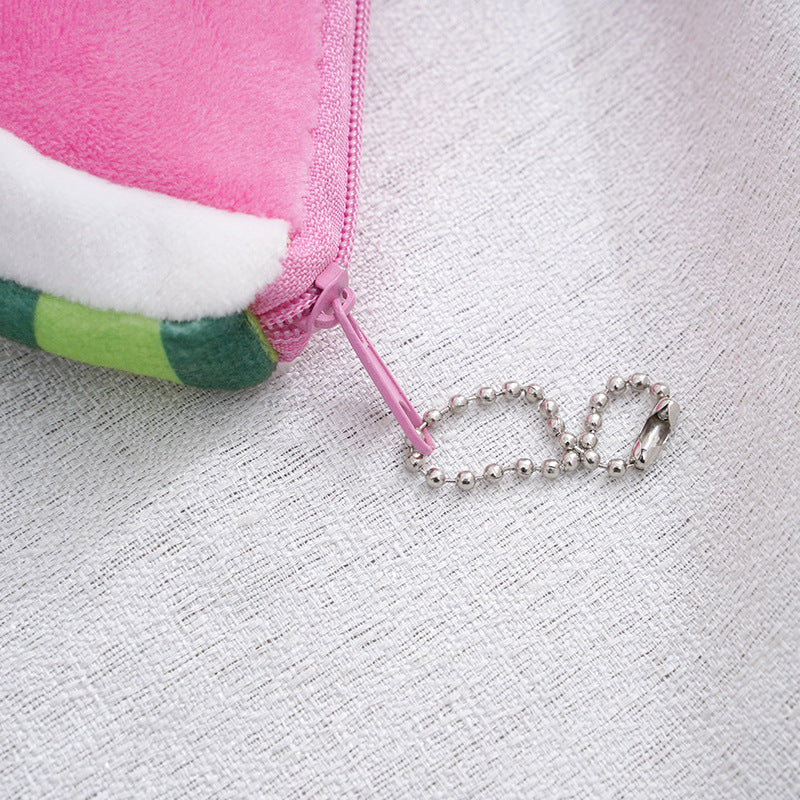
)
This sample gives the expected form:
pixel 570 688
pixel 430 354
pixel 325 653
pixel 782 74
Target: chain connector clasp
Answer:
pixel 655 432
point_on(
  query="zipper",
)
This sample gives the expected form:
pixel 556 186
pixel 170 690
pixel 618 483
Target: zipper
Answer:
pixel 330 300
pixel 283 320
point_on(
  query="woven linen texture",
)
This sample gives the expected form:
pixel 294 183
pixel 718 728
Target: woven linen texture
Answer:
pixel 246 596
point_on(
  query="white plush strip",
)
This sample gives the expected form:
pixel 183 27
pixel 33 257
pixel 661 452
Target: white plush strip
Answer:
pixel 81 237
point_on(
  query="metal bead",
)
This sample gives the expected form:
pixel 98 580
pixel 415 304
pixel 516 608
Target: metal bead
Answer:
pixel 524 467
pixel 639 381
pixel 512 389
pixel 551 468
pixel 598 401
pixel 616 466
pixel 534 394
pixel 616 386
pixel 570 461
pixel 548 408
pixel 593 422
pixel 430 418
pixel 414 461
pixel 588 441
pixel 568 441
pixel 434 477
pixel 590 458
pixel 486 395
pixel 659 390
pixel 493 473
pixel 458 404
pixel 465 480
pixel 556 426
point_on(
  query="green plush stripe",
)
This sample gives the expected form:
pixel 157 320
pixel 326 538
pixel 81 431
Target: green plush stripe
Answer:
pixel 17 307
pixel 105 338
pixel 219 353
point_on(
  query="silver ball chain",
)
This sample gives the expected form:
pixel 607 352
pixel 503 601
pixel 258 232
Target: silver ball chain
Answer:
pixel 577 449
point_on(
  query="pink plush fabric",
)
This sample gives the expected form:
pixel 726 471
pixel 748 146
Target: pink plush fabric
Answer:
pixel 205 100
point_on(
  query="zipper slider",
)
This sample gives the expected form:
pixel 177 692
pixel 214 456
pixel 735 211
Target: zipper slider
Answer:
pixel 333 307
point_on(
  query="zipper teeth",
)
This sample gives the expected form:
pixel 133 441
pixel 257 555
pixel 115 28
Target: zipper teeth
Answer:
pixel 285 314
pixel 296 307
pixel 354 133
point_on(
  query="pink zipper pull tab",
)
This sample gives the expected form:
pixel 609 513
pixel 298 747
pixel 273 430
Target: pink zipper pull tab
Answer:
pixel 333 308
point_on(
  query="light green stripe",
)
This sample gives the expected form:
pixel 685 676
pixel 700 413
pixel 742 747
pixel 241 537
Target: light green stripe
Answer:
pixel 127 342
pixel 252 320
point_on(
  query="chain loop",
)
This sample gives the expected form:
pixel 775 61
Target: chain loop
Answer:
pixel 576 450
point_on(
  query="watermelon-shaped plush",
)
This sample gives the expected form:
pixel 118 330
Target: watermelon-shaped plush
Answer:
pixel 173 178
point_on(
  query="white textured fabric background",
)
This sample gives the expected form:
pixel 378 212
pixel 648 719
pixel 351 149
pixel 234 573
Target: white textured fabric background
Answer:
pixel 236 596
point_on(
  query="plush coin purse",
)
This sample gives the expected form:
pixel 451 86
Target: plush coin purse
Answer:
pixel 178 183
